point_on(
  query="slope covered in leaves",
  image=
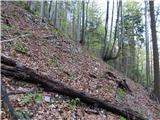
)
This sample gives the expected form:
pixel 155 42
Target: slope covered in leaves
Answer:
pixel 46 50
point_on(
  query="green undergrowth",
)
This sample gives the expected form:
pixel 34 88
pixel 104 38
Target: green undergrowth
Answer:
pixel 120 93
pixel 31 97
pixel 53 61
pixel 5 27
pixel 21 47
pixel 74 102
pixel 122 118
pixel 23 115
pixel 59 33
pixel 56 32
pixel 72 77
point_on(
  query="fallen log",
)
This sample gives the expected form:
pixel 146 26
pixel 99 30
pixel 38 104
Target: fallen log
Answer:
pixel 6 104
pixel 23 73
pixel 21 92
pixel 121 84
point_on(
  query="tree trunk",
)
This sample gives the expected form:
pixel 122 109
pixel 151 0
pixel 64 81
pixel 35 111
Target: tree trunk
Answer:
pixel 147 47
pixel 49 10
pixel 82 41
pixel 86 23
pixel 110 35
pixel 42 11
pixel 55 15
pixel 155 51
pixel 106 31
pixel 78 23
pixel 24 73
pixel 6 103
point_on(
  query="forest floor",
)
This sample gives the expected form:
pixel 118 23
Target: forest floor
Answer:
pixel 46 50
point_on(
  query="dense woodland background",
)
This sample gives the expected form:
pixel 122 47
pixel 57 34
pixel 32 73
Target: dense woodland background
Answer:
pixel 73 52
pixel 123 40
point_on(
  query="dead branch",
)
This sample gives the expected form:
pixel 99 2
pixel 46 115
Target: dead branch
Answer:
pixel 6 104
pixel 25 35
pixel 23 73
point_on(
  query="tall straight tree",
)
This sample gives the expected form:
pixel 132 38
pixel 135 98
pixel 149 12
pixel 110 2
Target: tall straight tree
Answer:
pixel 106 31
pixel 78 22
pixel 42 10
pixel 86 21
pixel 155 51
pixel 82 41
pixel 110 54
pixel 55 14
pixel 147 46
pixel 49 10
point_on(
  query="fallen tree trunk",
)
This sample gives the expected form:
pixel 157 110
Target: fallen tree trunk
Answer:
pixel 6 104
pixel 23 73
pixel 121 84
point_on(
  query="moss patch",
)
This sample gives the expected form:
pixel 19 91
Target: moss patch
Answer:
pixel 120 92
pixel 21 47
pixel 5 27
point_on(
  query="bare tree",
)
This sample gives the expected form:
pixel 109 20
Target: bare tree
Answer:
pixel 108 55
pixel 147 46
pixel 55 15
pixel 78 22
pixel 155 51
pixel 82 41
pixel 49 10
pixel 42 10
pixel 106 31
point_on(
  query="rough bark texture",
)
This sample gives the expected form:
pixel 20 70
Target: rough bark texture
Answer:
pixel 82 41
pixel 155 52
pixel 147 47
pixel 6 104
pixel 23 73
pixel 121 84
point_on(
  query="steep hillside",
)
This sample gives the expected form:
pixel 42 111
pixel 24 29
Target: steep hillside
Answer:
pixel 46 50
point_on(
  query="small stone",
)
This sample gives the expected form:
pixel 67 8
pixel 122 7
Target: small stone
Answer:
pixel 47 98
pixel 56 95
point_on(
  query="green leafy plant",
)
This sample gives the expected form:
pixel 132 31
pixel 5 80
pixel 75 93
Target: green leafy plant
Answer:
pixel 74 102
pixel 36 97
pixel 122 118
pixel 25 99
pixel 72 76
pixel 53 61
pixel 23 115
pixel 21 47
pixel 120 92
pixel 5 27
pixel 56 32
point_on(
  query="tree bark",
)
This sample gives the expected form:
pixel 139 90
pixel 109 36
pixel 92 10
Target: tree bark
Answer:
pixel 42 11
pixel 49 10
pixel 147 47
pixel 55 15
pixel 23 73
pixel 82 41
pixel 155 52
pixel 6 103
pixel 78 22
pixel 106 31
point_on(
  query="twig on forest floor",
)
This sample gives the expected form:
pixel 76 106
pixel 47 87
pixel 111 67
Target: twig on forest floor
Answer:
pixel 25 35
pixel 21 91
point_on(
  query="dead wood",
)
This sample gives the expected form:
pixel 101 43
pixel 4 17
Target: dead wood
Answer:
pixel 23 73
pixel 21 92
pixel 120 83
pixel 16 38
pixel 6 104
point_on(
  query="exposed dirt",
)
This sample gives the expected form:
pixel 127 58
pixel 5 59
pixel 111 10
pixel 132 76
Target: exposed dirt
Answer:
pixel 49 52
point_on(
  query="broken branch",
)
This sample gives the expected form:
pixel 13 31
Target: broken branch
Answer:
pixel 24 73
